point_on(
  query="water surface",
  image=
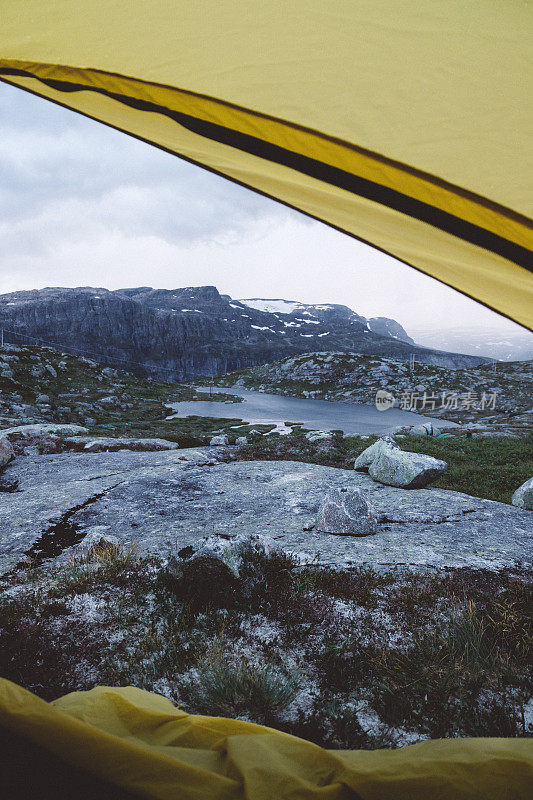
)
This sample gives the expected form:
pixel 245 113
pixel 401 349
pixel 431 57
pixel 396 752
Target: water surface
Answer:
pixel 262 408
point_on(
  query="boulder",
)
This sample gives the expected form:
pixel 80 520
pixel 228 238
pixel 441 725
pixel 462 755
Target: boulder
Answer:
pixel 400 430
pixel 225 551
pixel 346 512
pixel 427 429
pixel 7 453
pixel 318 436
pixel 108 402
pixel 41 399
pixel 107 443
pixel 43 428
pixel 523 497
pixel 406 470
pixel 241 440
pixel 211 572
pixel 365 459
pixel 219 441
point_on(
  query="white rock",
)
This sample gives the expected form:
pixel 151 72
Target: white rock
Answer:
pixel 523 497
pixel 218 558
pixel 106 443
pixel 42 428
pixel 347 512
pixel 427 429
pixel 365 459
pixel 400 429
pixel 406 470
pixel 95 535
pixel 218 441
pixel 241 440
pixel 7 453
pixel 111 400
pixel 317 436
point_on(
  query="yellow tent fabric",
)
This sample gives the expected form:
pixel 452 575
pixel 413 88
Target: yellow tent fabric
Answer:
pixel 403 123
pixel 141 743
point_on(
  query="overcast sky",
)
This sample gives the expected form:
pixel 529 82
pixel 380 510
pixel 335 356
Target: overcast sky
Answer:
pixel 84 205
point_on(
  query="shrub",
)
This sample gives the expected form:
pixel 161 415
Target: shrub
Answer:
pixel 338 724
pixel 358 584
pixel 342 663
pixel 267 579
pixel 102 564
pixel 29 653
pixel 489 467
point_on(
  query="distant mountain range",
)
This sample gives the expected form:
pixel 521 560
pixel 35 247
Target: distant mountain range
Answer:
pixel 490 342
pixel 180 334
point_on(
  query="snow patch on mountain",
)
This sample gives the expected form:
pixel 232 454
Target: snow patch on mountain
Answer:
pixel 272 306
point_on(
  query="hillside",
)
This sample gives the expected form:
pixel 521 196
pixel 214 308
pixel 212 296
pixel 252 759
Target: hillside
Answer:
pixel 180 334
pixel 41 386
pixel 355 378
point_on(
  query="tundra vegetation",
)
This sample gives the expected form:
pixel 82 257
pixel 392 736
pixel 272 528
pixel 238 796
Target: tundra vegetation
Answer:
pixel 346 658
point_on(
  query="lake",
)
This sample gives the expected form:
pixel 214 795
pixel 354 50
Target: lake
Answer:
pixel 262 408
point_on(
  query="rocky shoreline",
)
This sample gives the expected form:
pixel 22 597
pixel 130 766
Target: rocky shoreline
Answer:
pixel 491 399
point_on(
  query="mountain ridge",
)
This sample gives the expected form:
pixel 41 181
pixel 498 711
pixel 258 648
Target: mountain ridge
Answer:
pixel 180 334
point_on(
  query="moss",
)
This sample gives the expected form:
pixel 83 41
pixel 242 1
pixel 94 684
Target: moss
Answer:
pixel 488 467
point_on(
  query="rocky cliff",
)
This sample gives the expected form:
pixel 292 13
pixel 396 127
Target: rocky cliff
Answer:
pixel 185 333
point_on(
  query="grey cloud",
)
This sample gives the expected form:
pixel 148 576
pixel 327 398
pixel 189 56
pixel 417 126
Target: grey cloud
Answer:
pixel 62 175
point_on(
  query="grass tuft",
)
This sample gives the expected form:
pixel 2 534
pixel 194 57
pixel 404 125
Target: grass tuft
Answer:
pixel 235 687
